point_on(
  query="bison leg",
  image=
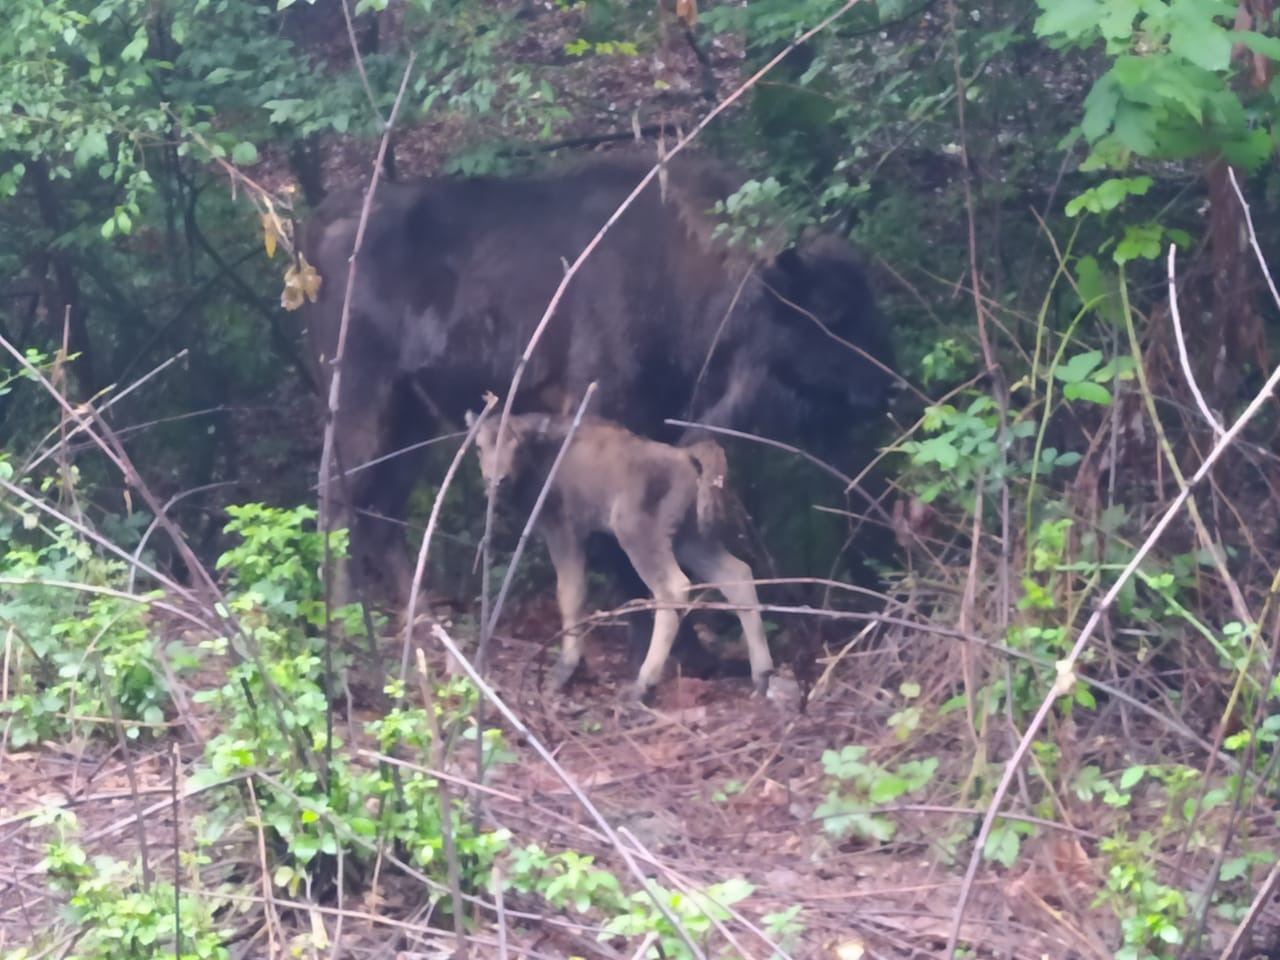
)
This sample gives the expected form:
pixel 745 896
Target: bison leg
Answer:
pixel 715 565
pixel 651 554
pixel 569 560
pixel 356 442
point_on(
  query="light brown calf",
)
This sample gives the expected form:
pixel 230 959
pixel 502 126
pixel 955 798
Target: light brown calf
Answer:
pixel 661 503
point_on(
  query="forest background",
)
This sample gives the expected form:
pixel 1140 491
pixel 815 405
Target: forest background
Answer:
pixel 1050 732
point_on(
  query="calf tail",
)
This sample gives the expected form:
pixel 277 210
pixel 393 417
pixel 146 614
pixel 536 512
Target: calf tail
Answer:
pixel 713 471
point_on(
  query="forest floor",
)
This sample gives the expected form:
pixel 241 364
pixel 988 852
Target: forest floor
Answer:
pixel 708 784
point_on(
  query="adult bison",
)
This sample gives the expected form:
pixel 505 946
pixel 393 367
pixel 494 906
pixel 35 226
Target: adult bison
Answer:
pixel 454 275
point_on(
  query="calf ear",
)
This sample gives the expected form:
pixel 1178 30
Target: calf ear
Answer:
pixel 470 419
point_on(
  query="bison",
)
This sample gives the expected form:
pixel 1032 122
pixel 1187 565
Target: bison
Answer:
pixel 672 321
pixel 659 502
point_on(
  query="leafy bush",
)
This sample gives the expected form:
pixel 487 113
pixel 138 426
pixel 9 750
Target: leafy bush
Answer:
pixel 81 658
pixel 115 913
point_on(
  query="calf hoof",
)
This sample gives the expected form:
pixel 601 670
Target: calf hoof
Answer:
pixel 561 674
pixel 634 693
pixel 762 684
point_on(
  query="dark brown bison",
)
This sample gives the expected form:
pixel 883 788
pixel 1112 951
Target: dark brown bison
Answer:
pixel 455 273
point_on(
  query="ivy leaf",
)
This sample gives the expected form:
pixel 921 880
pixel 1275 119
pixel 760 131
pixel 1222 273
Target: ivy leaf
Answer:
pixel 886 788
pixel 1129 779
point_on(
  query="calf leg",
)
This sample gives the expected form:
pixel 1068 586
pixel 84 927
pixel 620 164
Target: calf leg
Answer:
pixel 650 553
pixel 569 560
pixel 715 565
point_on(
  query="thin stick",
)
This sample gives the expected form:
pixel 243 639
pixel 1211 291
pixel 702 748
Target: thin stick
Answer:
pixel 109 592
pixel 850 483
pixel 1260 899
pixel 1253 237
pixel 1182 347
pixel 344 322
pixel 91 534
pixel 584 801
pixel 175 766
pixel 49 451
pixel 1066 666
pixel 355 52
pixel 445 796
pixel 130 768
pixel 168 505
pixel 120 460
pixel 419 569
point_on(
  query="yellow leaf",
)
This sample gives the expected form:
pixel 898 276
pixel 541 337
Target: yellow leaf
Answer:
pixel 301 283
pixel 269 234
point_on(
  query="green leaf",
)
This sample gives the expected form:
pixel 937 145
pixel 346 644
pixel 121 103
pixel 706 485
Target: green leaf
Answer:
pixel 1268 47
pixel 1196 37
pixel 887 787
pixel 1233 869
pixel 1073 19
pixel 1135 127
pixel 1116 23
pixel 92 144
pixel 1078 367
pixel 1002 845
pixel 1100 108
pixel 137 47
pixel 890 9
pixel 1250 151
pixel 1089 392
pixel 244 154
pixel 1108 195
pixel 1140 242
pixel 1131 776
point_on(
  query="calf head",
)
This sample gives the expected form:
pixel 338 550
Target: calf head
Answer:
pixel 497 460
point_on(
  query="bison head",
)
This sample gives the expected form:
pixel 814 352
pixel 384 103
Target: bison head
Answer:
pixel 827 349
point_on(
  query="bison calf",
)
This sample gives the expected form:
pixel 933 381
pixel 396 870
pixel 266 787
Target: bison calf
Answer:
pixel 663 504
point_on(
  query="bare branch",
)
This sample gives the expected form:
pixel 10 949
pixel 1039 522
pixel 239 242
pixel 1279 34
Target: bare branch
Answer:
pixel 423 550
pixel 1182 346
